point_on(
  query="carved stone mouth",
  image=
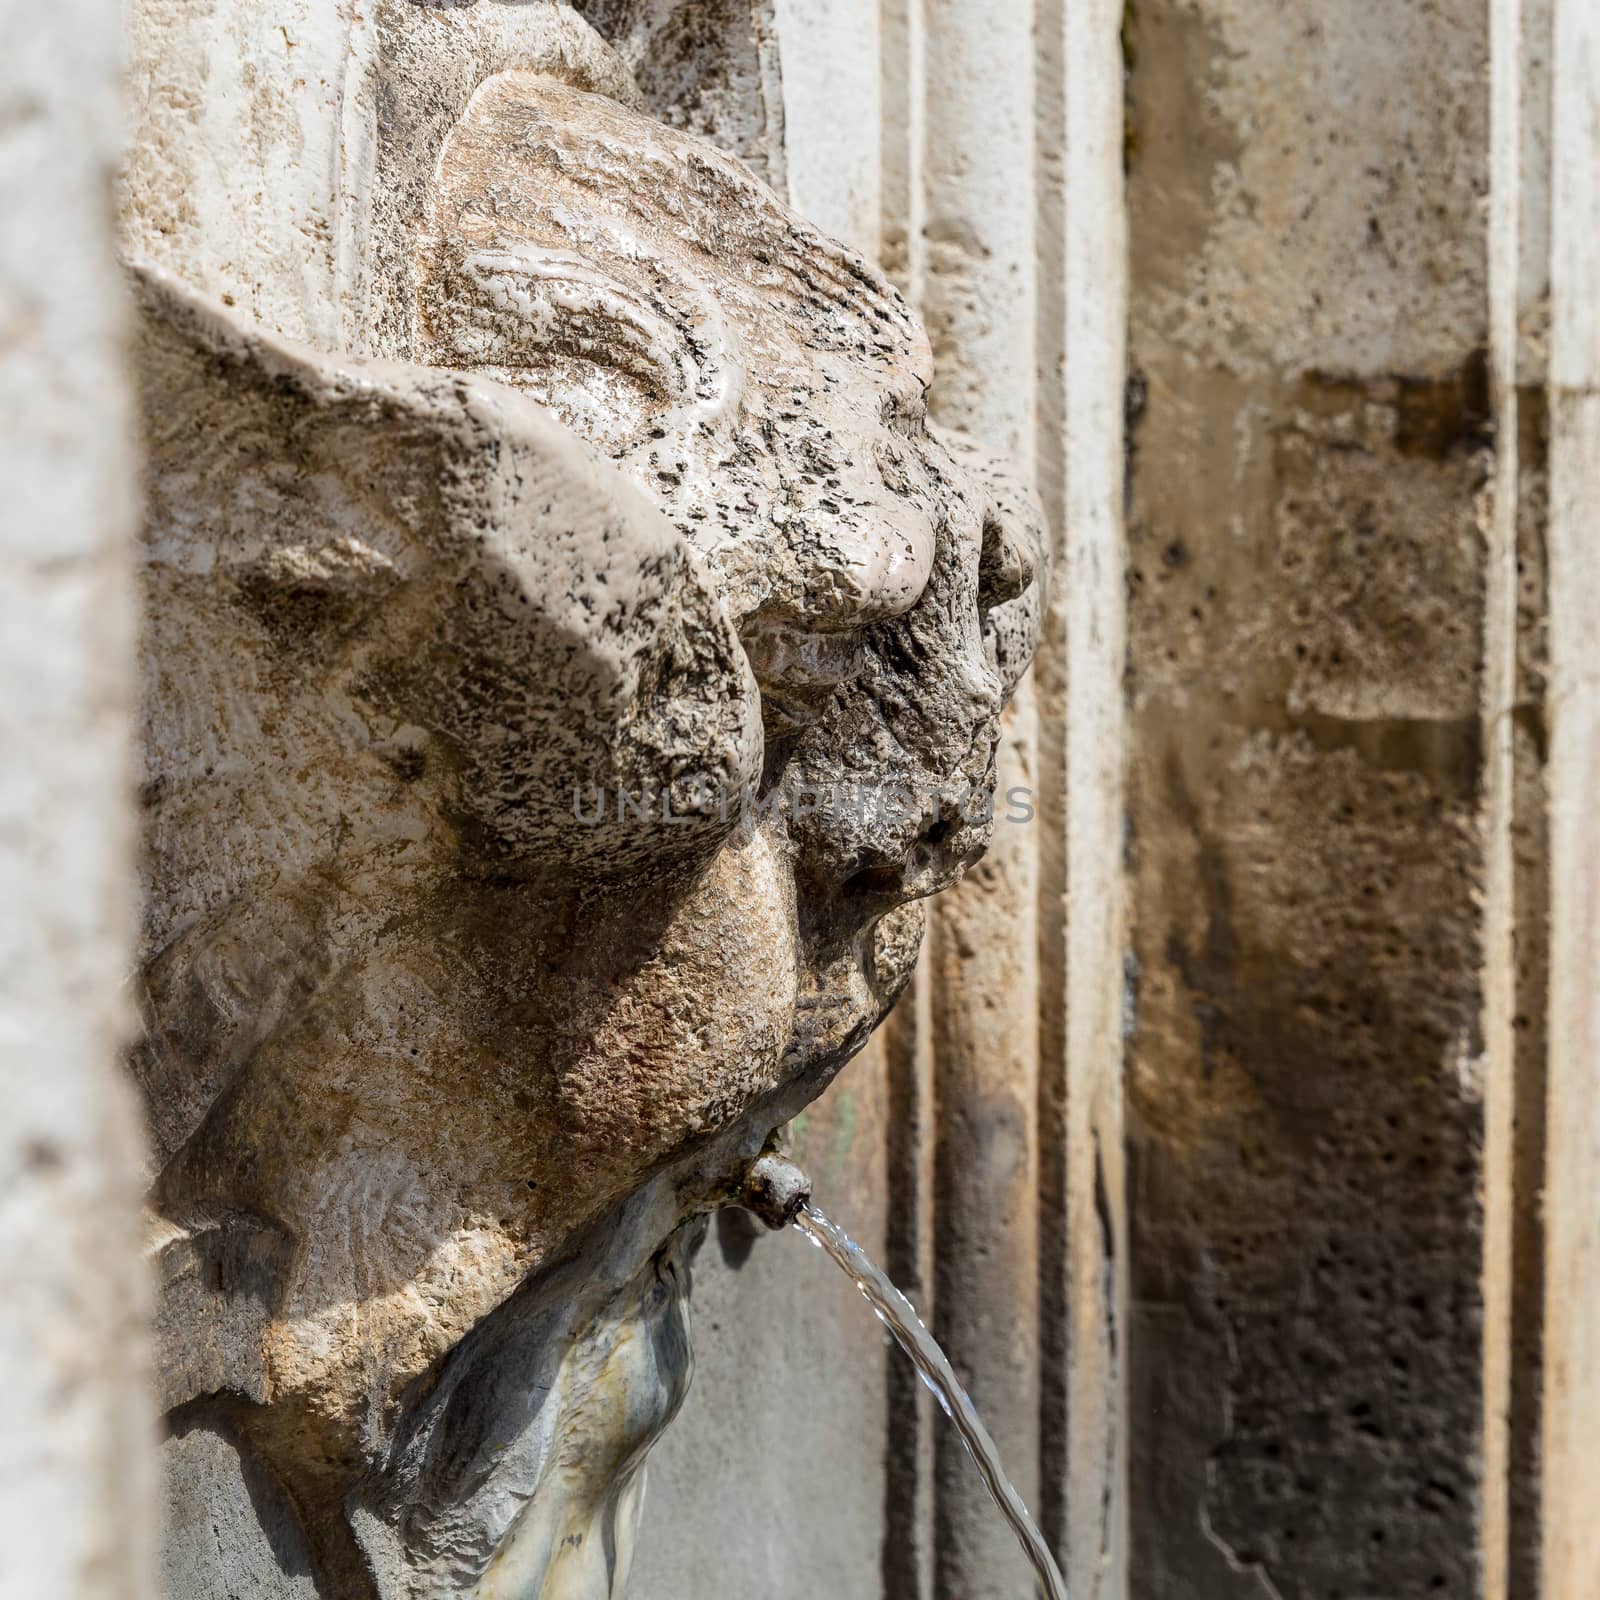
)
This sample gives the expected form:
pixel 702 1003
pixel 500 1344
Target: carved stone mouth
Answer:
pixel 925 852
pixel 938 861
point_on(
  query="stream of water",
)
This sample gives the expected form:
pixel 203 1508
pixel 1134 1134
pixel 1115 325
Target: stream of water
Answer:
pixel 896 1313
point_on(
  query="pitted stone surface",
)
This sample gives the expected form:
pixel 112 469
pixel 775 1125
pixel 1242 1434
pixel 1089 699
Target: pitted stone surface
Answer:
pixel 1311 449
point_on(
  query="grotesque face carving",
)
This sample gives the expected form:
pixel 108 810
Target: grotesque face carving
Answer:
pixel 768 390
pixel 438 1053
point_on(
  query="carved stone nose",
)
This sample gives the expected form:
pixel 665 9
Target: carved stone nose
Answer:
pixel 1007 561
pixel 1012 554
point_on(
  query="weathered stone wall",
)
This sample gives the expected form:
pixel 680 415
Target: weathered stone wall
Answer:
pixel 774 1478
pixel 1336 594
pixel 76 1496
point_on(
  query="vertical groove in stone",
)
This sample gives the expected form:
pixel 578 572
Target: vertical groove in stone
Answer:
pixel 1050 669
pixel 979 302
pixel 912 1422
pixel 1531 949
pixel 1499 695
pixel 908 1253
pixel 1091 598
pixel 1078 681
pixel 901 253
pixel 769 68
pixel 985 1183
pixel 1527 142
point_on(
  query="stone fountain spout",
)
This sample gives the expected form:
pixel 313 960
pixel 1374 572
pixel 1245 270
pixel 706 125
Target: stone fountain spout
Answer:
pixel 570 660
pixel 775 1189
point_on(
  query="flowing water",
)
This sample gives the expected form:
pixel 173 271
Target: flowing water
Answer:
pixel 896 1313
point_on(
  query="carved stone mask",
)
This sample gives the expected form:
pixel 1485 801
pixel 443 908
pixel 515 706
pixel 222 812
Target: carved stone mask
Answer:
pixel 467 977
pixel 769 391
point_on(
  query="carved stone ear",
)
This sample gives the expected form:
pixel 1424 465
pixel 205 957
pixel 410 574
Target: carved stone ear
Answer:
pixel 402 612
